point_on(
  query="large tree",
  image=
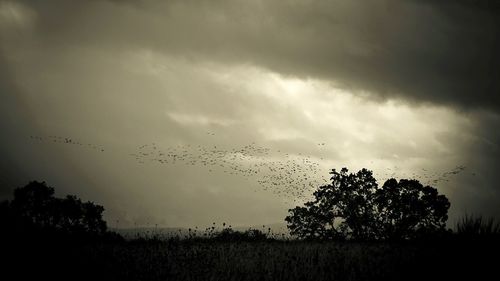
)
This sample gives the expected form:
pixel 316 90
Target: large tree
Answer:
pixel 353 206
pixel 407 209
pixel 34 206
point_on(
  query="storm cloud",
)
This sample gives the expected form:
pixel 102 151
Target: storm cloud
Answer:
pixel 442 52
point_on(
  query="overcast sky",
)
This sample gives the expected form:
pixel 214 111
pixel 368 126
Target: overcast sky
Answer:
pixel 405 88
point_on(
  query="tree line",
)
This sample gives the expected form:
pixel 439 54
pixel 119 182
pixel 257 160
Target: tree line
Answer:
pixel 351 207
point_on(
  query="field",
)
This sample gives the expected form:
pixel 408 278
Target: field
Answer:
pixel 198 259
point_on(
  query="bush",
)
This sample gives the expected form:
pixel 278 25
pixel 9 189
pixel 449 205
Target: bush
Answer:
pixel 229 234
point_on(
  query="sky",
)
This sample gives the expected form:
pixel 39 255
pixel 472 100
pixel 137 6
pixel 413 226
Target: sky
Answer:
pixel 183 113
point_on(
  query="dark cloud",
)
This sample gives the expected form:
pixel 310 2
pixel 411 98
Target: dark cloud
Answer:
pixel 442 52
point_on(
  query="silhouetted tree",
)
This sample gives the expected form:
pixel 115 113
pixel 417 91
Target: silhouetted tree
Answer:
pixel 34 203
pixel 354 207
pixel 34 206
pixel 407 209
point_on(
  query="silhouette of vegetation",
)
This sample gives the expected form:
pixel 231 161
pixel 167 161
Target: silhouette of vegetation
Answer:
pixel 227 254
pixel 353 206
pixel 471 226
pixel 35 208
pixel 45 237
pixel 250 235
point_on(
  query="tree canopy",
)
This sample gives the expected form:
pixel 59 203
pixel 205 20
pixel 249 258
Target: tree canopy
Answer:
pixel 34 206
pixel 353 206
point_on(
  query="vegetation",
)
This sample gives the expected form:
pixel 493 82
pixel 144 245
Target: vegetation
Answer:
pixel 354 207
pixel 477 226
pixel 35 211
pixel 35 244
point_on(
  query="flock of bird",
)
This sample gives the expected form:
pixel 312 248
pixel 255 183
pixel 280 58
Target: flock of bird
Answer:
pixel 59 139
pixel 285 174
pixel 292 176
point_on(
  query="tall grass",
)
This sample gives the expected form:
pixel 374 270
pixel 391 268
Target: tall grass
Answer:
pixel 473 225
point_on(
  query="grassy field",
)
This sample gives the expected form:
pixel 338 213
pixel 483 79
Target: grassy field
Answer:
pixel 199 259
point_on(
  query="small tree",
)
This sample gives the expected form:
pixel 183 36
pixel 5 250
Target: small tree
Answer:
pixel 354 207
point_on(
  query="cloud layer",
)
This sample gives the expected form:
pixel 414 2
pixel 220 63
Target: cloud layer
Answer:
pixel 419 51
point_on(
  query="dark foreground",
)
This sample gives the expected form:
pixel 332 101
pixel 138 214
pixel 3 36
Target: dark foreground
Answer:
pixel 77 259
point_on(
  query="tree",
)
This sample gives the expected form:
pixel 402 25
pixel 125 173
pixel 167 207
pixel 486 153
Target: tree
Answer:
pixel 407 209
pixel 35 206
pixel 34 203
pixel 353 206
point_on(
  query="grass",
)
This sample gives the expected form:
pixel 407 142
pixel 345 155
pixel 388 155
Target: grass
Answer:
pixel 228 255
pixel 271 260
pixel 210 259
pixel 477 226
